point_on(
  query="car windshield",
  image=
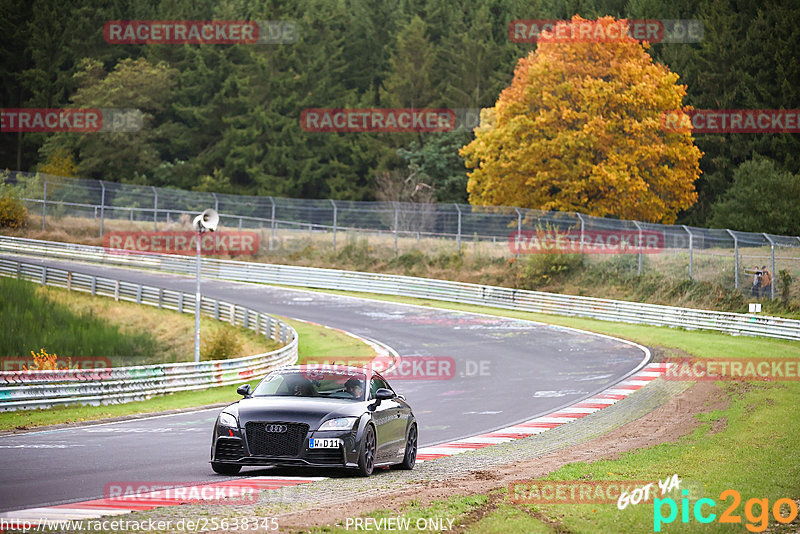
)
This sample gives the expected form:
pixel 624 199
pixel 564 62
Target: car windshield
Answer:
pixel 313 383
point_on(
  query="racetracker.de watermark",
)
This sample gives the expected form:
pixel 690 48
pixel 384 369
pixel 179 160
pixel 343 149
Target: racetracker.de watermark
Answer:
pixel 130 492
pixel 589 31
pixel 575 491
pixel 760 369
pixel 587 242
pixel 200 32
pixel 377 120
pixel 403 367
pixel 211 243
pixel 83 120
pixel 732 121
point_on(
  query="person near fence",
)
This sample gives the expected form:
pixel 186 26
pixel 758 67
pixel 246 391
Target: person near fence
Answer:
pixel 755 290
pixel 766 282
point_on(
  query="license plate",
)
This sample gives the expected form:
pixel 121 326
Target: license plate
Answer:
pixel 324 443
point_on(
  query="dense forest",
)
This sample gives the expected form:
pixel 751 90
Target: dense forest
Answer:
pixel 226 117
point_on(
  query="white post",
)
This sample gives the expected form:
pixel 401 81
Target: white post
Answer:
pixel 155 209
pixel 334 224
pixel 691 251
pixel 640 245
pixel 458 238
pixel 102 205
pixel 197 302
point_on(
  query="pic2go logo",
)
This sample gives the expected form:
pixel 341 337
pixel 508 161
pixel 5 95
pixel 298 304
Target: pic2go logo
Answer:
pixel 758 523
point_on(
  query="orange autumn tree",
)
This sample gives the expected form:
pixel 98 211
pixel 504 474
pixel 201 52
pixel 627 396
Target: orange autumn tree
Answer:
pixel 580 129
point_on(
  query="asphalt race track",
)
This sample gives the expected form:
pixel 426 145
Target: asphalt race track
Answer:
pixel 507 371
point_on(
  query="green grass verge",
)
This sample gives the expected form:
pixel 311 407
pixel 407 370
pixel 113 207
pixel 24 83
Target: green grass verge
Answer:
pixel 314 341
pixel 31 315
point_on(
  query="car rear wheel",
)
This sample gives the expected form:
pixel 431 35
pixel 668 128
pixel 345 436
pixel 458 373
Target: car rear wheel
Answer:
pixel 410 457
pixel 226 469
pixel 366 459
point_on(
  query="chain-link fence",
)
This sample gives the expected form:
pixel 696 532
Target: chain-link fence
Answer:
pixel 728 257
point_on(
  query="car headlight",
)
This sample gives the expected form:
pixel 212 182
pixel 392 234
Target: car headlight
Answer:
pixel 341 423
pixel 226 419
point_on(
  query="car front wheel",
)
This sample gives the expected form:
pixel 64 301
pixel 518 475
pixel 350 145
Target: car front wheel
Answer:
pixel 366 459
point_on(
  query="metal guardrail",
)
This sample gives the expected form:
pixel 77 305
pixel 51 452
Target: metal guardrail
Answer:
pixel 443 290
pixel 41 389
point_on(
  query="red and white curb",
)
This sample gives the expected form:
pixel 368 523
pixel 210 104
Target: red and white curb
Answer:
pixel 195 494
pixel 544 423
pixel 117 506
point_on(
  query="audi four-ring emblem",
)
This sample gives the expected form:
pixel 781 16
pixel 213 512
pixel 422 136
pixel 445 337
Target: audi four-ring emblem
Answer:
pixel 275 428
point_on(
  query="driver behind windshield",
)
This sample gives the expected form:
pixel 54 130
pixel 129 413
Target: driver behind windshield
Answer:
pixel 354 387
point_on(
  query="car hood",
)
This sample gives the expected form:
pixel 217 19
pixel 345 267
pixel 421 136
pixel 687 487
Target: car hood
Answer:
pixel 311 411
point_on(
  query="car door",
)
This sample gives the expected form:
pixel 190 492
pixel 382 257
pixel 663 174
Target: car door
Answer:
pixel 384 416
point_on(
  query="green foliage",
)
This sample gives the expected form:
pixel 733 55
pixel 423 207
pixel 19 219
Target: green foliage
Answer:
pixel 762 198
pixel 234 110
pixel 784 285
pixel 32 321
pixel 12 213
pixel 221 344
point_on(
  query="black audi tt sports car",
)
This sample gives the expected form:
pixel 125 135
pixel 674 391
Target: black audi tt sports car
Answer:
pixel 337 416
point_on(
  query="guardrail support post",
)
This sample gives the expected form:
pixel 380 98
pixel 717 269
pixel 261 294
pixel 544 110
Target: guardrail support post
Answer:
pixel 735 259
pixel 116 290
pixel 139 294
pixel 334 223
pixel 216 310
pixel 94 285
pixel 69 280
pixel 19 270
pixel 44 277
pixel 772 266
pixel 691 251
pixel 102 205
pixel 246 322
pixel 458 237
pixel 160 297
pixel 155 209
pixel 233 314
pixel 639 228
pixel 180 302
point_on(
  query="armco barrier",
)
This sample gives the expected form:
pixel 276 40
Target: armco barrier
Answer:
pixel 40 389
pixel 443 290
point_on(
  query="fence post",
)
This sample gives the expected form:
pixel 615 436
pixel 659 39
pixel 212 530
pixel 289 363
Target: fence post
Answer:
pixel 334 223
pixel 272 224
pixel 639 228
pixel 735 259
pixel 580 217
pixel 772 266
pixel 519 227
pixel 396 222
pixel 102 205
pixel 44 201
pixel 69 280
pixel 458 238
pixel 691 251
pixel 155 209
pixel 216 202
pixel 116 290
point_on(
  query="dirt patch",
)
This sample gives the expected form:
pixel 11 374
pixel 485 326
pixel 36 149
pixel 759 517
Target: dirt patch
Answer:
pixel 663 425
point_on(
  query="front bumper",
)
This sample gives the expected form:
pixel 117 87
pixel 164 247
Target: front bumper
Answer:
pixel 231 447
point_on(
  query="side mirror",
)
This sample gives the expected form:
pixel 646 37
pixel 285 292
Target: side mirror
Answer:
pixel 384 394
pixel 244 390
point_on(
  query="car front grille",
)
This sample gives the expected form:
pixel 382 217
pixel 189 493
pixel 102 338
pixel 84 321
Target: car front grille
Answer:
pixel 264 443
pixel 228 449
